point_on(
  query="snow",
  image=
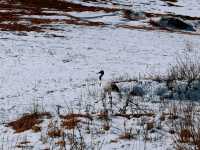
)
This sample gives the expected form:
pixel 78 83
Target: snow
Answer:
pixel 40 69
pixel 32 65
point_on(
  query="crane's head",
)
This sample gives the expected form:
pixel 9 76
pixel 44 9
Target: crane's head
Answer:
pixel 101 74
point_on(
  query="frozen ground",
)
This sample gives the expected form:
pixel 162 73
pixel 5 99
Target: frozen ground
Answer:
pixel 52 68
pixel 34 64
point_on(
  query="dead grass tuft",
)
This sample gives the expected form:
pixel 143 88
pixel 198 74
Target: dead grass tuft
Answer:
pixel 24 145
pixel 136 115
pixel 19 27
pixel 36 128
pixel 127 136
pixel 24 142
pixel 55 133
pixel 61 143
pixel 106 126
pixel 128 116
pixel 73 115
pixel 173 117
pixel 70 123
pixel 149 125
pixel 27 121
pixel 113 141
pixel 186 68
pixel 103 115
pixel 13 18
pixel 162 117
pixel 185 135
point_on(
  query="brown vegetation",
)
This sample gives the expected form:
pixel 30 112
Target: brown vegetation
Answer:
pixel 55 133
pixel 27 121
pixel 73 115
pixel 61 143
pixel 70 123
pixel 58 5
pixel 103 115
pixel 187 129
pixel 128 135
pixel 15 10
pixel 36 128
pixel 135 115
pixel 185 135
pixel 24 145
pixel 149 125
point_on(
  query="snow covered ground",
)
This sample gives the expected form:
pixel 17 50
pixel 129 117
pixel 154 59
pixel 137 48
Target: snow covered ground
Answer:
pixel 59 68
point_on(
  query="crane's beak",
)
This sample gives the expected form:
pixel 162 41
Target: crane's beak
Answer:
pixel 99 72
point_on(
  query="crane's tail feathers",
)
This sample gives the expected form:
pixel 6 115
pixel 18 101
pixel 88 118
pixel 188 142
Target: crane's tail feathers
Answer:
pixel 115 87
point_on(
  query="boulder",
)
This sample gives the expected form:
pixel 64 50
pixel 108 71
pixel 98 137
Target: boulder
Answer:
pixel 174 23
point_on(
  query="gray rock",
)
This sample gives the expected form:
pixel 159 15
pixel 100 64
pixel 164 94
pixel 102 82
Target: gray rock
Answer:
pixel 174 23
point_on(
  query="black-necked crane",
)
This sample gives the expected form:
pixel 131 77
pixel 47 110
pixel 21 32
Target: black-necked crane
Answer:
pixel 108 87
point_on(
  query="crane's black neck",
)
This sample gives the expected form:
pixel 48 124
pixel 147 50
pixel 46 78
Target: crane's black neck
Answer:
pixel 100 77
pixel 101 74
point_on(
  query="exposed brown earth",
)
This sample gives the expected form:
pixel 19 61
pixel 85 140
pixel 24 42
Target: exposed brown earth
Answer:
pixel 19 15
pixel 38 6
pixel 13 12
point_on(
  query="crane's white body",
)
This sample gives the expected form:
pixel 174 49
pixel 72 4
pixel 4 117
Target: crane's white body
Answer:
pixel 108 87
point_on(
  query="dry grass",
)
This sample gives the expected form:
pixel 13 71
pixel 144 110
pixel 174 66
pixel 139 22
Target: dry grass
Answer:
pixel 185 135
pixel 24 142
pixel 61 143
pixel 73 115
pixel 127 135
pixel 128 116
pixel 103 115
pixel 70 123
pixel 27 121
pixel 188 129
pixel 149 125
pixel 106 126
pixel 162 117
pixel 173 116
pixel 186 68
pixel 24 145
pixel 12 19
pixel 36 128
pixel 38 6
pixel 55 133
pixel 135 115
pixel 138 115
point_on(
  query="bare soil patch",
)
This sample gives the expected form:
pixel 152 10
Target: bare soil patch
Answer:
pixel 13 13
